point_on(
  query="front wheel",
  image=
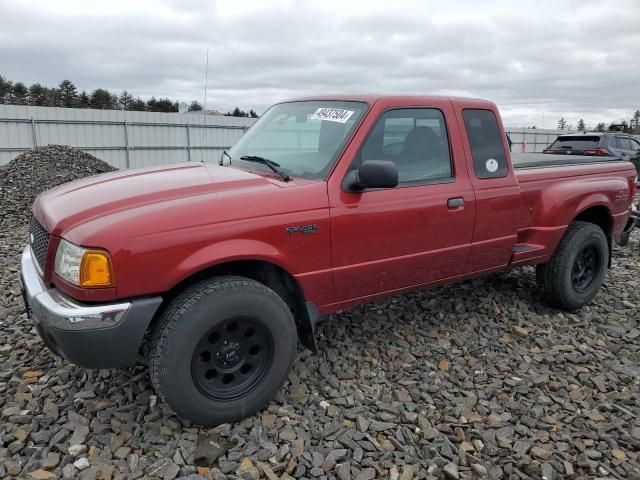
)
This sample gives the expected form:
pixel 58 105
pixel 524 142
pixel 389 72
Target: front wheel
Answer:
pixel 577 268
pixel 222 349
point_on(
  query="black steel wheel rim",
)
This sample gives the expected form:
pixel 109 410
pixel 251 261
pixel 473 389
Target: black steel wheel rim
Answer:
pixel 232 358
pixel 585 268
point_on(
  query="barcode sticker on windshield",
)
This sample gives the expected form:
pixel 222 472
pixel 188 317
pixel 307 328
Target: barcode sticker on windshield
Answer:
pixel 332 114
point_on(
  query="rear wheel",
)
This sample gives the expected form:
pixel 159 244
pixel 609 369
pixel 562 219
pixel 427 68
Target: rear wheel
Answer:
pixel 222 349
pixel 578 267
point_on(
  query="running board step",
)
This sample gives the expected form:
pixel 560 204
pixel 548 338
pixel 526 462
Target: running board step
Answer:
pixel 523 252
pixel 524 247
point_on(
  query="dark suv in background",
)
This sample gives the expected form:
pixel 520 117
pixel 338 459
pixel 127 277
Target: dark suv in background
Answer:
pixel 600 144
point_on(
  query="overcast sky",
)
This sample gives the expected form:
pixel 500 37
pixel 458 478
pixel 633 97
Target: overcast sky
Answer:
pixel 558 58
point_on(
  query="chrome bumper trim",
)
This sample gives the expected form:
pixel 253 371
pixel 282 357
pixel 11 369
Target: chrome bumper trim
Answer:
pixel 51 307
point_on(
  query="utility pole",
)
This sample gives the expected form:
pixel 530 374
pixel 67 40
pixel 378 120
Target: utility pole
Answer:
pixel 204 107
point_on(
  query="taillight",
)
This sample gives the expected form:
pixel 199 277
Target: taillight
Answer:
pixel 602 152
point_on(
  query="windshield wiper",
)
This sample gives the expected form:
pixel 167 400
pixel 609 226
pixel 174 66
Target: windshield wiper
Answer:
pixel 269 163
pixel 224 152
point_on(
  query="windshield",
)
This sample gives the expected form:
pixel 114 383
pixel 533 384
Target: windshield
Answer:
pixel 302 139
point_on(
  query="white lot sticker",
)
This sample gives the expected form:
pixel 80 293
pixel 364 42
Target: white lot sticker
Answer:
pixel 492 165
pixel 332 114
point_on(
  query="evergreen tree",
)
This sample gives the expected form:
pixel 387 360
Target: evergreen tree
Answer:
pixel 601 127
pixel 83 100
pixel 125 100
pixel 37 95
pixel 635 122
pixel 237 113
pixel 6 90
pixel 68 93
pixel 581 126
pixel 20 92
pixel 138 105
pixel 562 124
pixel 151 104
pixel 162 105
pixel 102 99
pixel 52 97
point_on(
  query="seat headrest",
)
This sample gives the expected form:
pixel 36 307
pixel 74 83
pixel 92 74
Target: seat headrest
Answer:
pixel 420 140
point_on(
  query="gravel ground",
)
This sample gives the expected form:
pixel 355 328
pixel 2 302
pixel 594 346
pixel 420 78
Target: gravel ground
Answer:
pixel 475 380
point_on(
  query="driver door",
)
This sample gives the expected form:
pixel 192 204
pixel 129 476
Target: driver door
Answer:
pixel 386 240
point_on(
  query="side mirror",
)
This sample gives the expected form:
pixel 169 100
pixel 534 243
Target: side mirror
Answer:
pixel 372 174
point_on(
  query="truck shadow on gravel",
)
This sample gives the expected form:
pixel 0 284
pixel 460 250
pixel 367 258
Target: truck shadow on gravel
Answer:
pixel 422 375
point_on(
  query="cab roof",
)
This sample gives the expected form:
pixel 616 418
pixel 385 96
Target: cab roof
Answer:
pixel 402 99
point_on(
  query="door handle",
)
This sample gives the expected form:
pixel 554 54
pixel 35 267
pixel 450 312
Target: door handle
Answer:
pixel 455 202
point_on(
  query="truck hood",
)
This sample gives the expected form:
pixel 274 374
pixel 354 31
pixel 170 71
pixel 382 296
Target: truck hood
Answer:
pixel 70 205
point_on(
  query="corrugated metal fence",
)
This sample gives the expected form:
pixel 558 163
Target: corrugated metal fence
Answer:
pixel 123 139
pixel 140 139
pixel 533 140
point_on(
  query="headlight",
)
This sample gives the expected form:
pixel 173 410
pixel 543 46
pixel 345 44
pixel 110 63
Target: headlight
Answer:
pixel 83 267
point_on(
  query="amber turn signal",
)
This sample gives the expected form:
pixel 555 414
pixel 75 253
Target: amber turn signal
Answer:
pixel 95 269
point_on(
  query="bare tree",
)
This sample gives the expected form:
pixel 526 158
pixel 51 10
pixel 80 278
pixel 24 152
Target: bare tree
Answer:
pixel 195 107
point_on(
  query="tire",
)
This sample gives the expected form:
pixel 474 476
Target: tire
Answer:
pixel 570 280
pixel 222 349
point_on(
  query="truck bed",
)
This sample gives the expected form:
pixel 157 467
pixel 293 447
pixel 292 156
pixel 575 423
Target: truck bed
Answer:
pixel 542 160
pixel 550 180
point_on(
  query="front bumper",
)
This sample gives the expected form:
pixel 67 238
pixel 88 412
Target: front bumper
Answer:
pixel 91 336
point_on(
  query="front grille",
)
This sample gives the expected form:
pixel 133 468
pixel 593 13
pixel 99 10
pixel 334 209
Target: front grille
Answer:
pixel 39 239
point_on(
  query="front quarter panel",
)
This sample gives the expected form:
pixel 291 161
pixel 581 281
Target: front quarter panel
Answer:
pixel 157 246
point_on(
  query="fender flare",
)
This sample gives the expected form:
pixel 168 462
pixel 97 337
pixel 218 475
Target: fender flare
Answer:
pixel 228 251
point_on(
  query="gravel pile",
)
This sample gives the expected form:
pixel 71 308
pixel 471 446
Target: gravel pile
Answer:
pixel 476 380
pixel 41 169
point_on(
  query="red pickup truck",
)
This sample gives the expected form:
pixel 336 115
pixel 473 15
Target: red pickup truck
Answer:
pixel 213 273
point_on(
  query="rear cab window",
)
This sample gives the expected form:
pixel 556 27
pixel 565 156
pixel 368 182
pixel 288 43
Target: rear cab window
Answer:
pixel 487 144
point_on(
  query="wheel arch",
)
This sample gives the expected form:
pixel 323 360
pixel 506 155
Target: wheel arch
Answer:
pixel 266 272
pixel 599 215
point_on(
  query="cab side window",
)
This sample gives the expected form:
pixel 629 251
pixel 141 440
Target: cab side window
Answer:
pixel 487 146
pixel 415 139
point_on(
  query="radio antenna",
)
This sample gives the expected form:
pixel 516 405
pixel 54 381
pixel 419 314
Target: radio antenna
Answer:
pixel 204 106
